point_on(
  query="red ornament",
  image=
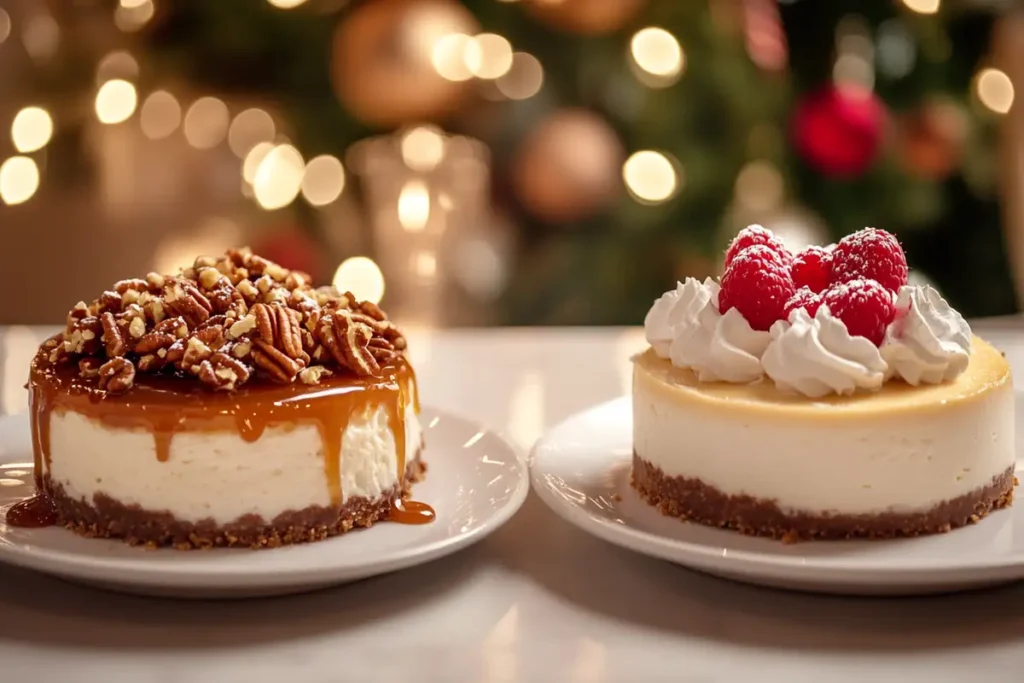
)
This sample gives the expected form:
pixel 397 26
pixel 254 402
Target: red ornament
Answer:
pixel 839 130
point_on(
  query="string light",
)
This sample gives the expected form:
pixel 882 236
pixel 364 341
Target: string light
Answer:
pixel 19 180
pixel 995 90
pixel 117 64
pixel 278 177
pixel 31 129
pixel 361 276
pixel 524 78
pixel 414 206
pixel 285 4
pixel 115 101
pixel 160 115
pixel 649 176
pixel 206 123
pixel 250 128
pixel 323 181
pixel 656 52
pixel 922 6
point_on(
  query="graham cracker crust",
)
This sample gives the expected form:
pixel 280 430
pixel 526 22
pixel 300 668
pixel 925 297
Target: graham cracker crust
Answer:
pixel 693 500
pixel 105 517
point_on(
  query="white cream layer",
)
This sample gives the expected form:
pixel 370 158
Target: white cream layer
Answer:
pixel 880 463
pixel 219 476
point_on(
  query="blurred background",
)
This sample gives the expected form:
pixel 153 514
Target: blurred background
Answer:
pixel 504 162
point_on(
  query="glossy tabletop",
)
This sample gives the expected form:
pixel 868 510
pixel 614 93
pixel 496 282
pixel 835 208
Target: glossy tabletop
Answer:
pixel 537 601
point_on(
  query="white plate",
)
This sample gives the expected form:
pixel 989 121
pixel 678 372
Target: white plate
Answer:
pixel 475 482
pixel 581 470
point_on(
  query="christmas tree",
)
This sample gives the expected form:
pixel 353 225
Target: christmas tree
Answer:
pixel 627 140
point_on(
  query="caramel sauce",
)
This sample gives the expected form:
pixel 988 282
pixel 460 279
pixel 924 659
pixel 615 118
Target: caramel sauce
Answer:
pixel 34 512
pixel 410 512
pixel 166 405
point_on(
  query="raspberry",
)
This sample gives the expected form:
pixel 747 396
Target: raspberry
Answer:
pixel 753 235
pixel 756 283
pixel 803 298
pixel 870 254
pixel 865 306
pixel 812 268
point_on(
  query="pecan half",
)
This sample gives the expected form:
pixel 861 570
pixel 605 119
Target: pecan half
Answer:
pixel 110 301
pixel 352 338
pixel 281 327
pixel 113 337
pixel 117 375
pixel 274 363
pixel 185 299
pixel 223 372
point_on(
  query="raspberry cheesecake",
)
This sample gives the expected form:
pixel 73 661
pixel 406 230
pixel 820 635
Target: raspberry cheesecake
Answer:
pixel 232 404
pixel 819 396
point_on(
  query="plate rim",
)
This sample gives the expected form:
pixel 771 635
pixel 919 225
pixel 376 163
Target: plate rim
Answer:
pixel 144 572
pixel 671 549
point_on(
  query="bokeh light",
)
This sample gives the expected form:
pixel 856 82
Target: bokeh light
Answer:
pixel 117 64
pixel 423 148
pixel 657 53
pixel 524 78
pixel 115 101
pixel 650 177
pixel 323 180
pixel 248 129
pixel 206 123
pixel 489 56
pixel 19 180
pixel 160 115
pixel 253 159
pixel 414 205
pixel 922 6
pixel 449 56
pixel 31 129
pixel 361 276
pixel 995 90
pixel 131 15
pixel 5 25
pixel 285 4
pixel 278 177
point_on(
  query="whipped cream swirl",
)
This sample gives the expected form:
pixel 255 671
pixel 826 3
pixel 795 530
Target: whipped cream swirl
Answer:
pixel 675 313
pixel 929 342
pixel 818 356
pixel 719 348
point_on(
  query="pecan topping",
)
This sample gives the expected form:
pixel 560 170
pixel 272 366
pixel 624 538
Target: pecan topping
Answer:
pixel 223 320
pixel 117 375
pixel 275 364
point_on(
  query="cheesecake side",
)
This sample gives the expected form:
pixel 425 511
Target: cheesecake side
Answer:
pixel 901 461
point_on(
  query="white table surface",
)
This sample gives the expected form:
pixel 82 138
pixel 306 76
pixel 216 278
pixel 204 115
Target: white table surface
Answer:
pixel 537 601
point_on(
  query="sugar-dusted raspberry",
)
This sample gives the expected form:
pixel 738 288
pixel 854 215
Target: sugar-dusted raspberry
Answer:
pixel 753 235
pixel 757 283
pixel 865 306
pixel 870 254
pixel 803 298
pixel 812 268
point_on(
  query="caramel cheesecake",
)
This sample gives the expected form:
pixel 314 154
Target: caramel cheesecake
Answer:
pixel 819 396
pixel 232 404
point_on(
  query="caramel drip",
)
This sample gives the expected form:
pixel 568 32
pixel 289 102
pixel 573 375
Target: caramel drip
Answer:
pixel 410 512
pixel 166 405
pixel 37 511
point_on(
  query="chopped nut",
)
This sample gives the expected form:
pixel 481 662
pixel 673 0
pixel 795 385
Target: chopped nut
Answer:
pixel 313 374
pixel 131 297
pixel 264 284
pixel 89 367
pixel 275 364
pixel 155 281
pixel 209 277
pixel 137 327
pixel 275 271
pixel 241 349
pixel 248 290
pixel 204 262
pixel 243 326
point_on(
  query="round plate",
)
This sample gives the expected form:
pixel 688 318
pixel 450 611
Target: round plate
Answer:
pixel 581 469
pixel 475 482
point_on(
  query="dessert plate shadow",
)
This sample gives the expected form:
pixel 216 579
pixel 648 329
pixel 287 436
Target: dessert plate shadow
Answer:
pixel 581 470
pixel 475 482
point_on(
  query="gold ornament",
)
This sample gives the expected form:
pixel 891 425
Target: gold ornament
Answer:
pixel 384 60
pixel 568 167
pixel 590 17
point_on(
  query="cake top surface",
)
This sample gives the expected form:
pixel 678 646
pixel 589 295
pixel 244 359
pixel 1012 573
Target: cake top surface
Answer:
pixel 988 371
pixel 223 321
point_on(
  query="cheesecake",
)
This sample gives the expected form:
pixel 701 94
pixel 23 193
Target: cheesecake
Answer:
pixel 819 396
pixel 231 404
